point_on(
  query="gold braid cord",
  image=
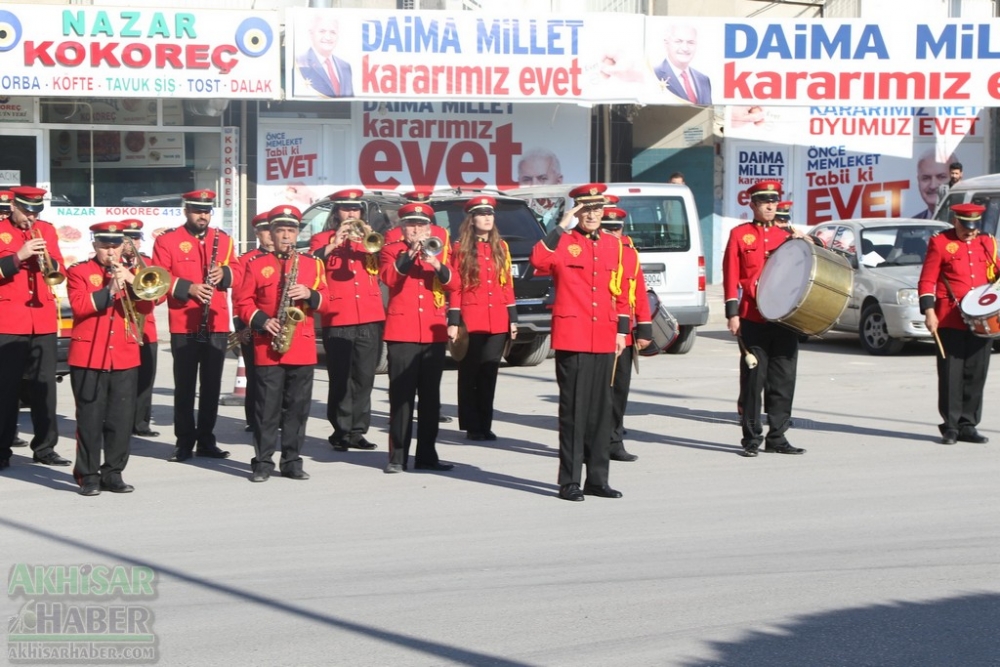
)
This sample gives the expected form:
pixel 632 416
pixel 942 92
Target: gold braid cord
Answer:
pixel 371 264
pixel 991 271
pixel 505 274
pixel 616 276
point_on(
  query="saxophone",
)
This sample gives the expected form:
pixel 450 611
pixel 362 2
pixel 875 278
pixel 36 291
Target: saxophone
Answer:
pixel 288 315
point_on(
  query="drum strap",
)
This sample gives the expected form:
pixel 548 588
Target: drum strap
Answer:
pixel 947 286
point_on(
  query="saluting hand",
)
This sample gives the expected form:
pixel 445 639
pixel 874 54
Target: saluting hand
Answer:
pixel 570 215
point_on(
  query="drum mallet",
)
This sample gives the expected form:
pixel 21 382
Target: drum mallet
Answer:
pixel 748 356
pixel 937 339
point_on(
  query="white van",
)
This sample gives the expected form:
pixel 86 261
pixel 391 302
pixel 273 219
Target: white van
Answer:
pixel 663 223
pixel 982 190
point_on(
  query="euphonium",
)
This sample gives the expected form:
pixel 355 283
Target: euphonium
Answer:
pixel 288 315
pixel 151 282
pixel 50 273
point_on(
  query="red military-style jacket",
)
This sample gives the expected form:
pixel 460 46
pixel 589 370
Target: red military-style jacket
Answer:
pixel 187 258
pixel 965 264
pixel 489 306
pixel 417 299
pixel 634 286
pixel 258 297
pixel 102 337
pixel 238 271
pixel 749 246
pixel 27 305
pixel 590 306
pixel 355 294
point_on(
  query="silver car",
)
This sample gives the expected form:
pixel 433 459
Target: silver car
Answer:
pixel 886 255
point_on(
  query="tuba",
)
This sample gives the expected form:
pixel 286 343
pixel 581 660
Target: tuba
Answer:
pixel 288 315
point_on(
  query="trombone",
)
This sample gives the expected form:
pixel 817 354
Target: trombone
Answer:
pixel 151 282
pixel 133 319
pixel 371 240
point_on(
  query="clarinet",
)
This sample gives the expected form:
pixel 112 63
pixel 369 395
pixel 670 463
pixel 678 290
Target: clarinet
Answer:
pixel 207 306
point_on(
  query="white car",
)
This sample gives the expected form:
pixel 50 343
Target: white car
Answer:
pixel 886 255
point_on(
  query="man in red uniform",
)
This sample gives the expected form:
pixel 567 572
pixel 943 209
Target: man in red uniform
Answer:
pixel 272 283
pixel 147 351
pixel 6 202
pixel 265 244
pixel 783 214
pixel 957 261
pixel 633 285
pixel 104 362
pixel 775 346
pixel 198 258
pixel 28 324
pixel 590 323
pixel 415 334
pixel 352 323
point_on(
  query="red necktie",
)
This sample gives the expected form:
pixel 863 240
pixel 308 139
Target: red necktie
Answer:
pixel 334 82
pixel 688 88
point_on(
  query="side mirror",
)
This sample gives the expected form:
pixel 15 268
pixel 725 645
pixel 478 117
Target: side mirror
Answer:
pixel 853 259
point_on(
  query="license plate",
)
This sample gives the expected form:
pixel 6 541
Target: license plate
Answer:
pixel 653 279
pixel 515 270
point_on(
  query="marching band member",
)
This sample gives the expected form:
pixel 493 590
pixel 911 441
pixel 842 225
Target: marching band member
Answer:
pixel 775 346
pixel 272 285
pixel 29 260
pixel 633 285
pixel 265 244
pixel 147 351
pixel 104 361
pixel 590 323
pixel 415 334
pixel 484 302
pixel 6 201
pixel 352 322
pixel 957 261
pixel 199 261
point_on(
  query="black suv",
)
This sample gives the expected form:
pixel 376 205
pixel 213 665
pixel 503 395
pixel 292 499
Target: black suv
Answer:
pixel 517 225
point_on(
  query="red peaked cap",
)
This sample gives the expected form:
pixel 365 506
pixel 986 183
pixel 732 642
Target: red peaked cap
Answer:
pixel 970 215
pixel 765 189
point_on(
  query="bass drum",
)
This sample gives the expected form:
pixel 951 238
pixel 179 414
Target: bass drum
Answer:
pixel 981 310
pixel 665 328
pixel 805 287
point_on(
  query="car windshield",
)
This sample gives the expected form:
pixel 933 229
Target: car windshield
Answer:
pixel 895 246
pixel 515 222
pixel 657 223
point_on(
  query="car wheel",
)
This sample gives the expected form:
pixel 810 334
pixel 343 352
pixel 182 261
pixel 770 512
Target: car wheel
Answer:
pixel 685 340
pixel 529 354
pixel 383 360
pixel 874 335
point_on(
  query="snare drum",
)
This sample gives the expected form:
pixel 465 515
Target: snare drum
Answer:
pixel 805 287
pixel 981 310
pixel 665 327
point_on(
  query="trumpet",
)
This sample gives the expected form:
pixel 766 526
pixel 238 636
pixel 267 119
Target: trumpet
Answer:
pixel 48 268
pixel 151 282
pixel 432 245
pixel 371 240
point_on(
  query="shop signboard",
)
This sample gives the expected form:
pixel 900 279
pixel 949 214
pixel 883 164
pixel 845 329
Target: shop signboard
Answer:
pixel 16 110
pixel 90 51
pixel 111 148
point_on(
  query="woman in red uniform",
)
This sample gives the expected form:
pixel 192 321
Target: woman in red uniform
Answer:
pixel 485 305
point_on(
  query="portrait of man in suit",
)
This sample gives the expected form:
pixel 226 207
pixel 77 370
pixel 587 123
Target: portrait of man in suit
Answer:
pixel 318 68
pixel 932 176
pixel 675 72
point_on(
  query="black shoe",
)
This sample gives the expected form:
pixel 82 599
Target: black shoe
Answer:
pixel 749 452
pixel 571 492
pixel 248 428
pixel 295 474
pixel 19 442
pixel 212 452
pixel 339 446
pixel 445 419
pixel 623 456
pixel 784 449
pixel 489 435
pixel 4 464
pixel 949 437
pixel 474 435
pixel 361 443
pixel 438 467
pixel 602 491
pixel 90 489
pixel 146 433
pixel 260 476
pixel 393 468
pixel 972 435
pixel 51 459
pixel 117 486
pixel 180 455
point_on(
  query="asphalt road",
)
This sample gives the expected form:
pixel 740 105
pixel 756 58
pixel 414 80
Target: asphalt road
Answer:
pixel 877 547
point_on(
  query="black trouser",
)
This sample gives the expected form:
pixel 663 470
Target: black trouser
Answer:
pixel 250 402
pixel 144 389
pixel 619 399
pixel 777 349
pixel 352 354
pixel 282 404
pixel 414 370
pixel 30 358
pixel 477 381
pixel 105 405
pixel 197 361
pixel 584 415
pixel 961 378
